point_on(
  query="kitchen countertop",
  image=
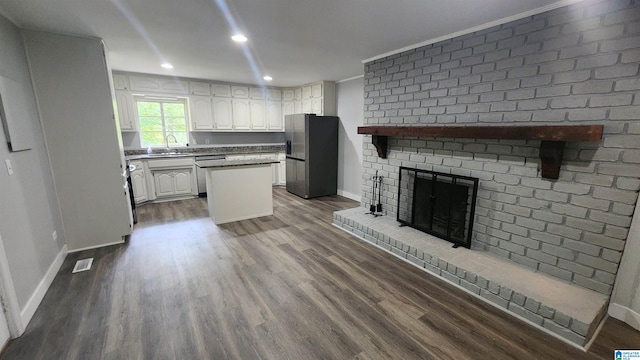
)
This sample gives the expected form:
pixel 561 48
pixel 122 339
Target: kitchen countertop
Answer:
pixel 229 163
pixel 138 154
pixel 168 155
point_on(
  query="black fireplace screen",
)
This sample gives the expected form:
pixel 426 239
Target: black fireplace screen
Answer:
pixel 438 203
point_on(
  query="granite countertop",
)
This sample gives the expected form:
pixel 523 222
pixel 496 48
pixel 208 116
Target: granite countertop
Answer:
pixel 228 163
pixel 170 155
pixel 205 151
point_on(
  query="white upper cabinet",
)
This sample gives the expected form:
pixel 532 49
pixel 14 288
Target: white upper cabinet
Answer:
pixel 217 106
pixel 316 106
pixel 316 90
pixel 126 111
pixel 288 107
pixel 288 94
pixel 201 113
pixel 120 82
pixel 306 107
pixel 241 114
pixel 159 85
pixel 222 113
pixel 241 92
pixel 274 116
pixel 199 88
pixel 306 92
pixel 274 94
pixel 258 115
pixel 257 93
pixel 221 90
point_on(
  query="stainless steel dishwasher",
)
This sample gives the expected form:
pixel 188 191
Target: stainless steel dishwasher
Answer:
pixel 200 173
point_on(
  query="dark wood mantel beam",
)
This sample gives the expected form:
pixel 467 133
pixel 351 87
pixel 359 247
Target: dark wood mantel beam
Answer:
pixel 552 138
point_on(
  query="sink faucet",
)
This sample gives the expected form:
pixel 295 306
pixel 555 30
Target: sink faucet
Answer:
pixel 167 140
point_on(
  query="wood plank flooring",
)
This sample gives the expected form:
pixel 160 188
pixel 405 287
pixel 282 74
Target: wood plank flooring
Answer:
pixel 287 286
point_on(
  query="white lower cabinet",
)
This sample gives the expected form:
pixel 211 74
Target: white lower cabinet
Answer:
pixel 139 183
pixel 282 173
pixel 173 182
pixel 163 181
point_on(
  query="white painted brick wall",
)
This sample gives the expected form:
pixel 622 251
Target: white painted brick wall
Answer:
pixel 575 65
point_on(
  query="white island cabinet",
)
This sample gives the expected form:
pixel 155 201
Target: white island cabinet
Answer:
pixel 238 189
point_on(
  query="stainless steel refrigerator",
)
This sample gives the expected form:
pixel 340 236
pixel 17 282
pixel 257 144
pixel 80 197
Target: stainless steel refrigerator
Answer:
pixel 312 154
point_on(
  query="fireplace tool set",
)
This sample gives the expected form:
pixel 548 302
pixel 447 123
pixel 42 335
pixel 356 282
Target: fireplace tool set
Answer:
pixel 376 209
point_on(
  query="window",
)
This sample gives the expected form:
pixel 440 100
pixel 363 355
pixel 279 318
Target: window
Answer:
pixel 163 123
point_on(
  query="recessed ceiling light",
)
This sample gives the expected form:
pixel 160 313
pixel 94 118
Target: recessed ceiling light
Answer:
pixel 239 38
pixel 268 78
pixel 166 66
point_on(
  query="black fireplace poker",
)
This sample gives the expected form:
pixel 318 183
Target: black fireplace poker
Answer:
pixel 376 209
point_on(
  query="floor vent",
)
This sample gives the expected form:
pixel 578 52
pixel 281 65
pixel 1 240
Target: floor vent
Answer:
pixel 82 265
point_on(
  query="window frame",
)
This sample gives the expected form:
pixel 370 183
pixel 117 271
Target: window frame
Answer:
pixel 162 100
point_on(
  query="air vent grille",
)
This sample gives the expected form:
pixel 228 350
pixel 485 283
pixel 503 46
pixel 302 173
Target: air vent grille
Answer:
pixel 82 265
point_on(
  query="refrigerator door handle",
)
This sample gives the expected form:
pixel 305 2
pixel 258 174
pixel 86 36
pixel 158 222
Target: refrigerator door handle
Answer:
pixel 288 147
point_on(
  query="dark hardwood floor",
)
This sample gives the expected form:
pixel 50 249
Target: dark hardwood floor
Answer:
pixel 287 286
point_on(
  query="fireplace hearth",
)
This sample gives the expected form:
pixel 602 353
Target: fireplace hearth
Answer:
pixel 437 203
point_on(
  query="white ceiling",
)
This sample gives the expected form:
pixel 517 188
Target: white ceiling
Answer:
pixel 295 41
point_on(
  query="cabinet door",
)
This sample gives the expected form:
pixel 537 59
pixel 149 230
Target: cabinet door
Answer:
pixel 120 82
pixel 274 94
pixel 298 93
pixel 298 107
pixel 274 174
pixel 162 85
pixel 126 113
pixel 257 93
pixel 282 173
pixel 306 106
pixel 241 114
pixel 306 92
pixel 164 183
pixel 201 113
pixel 288 107
pixel 223 90
pixel 316 106
pixel 288 95
pixel 182 181
pixel 222 113
pixel 274 116
pixel 258 115
pixel 241 92
pixel 199 88
pixel 139 184
pixel 316 90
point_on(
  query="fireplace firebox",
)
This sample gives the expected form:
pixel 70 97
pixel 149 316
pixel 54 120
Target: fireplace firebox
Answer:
pixel 438 203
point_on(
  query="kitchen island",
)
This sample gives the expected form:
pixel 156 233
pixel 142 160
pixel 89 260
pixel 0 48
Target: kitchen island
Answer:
pixel 238 189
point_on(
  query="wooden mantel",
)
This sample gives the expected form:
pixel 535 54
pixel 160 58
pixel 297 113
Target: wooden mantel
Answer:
pixel 551 147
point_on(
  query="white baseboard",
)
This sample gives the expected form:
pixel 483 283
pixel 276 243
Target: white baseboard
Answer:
pixel 96 246
pixel 349 195
pixel 623 313
pixel 36 298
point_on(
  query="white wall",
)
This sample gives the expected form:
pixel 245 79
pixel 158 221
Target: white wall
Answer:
pixel 625 300
pixel 350 109
pixel 29 210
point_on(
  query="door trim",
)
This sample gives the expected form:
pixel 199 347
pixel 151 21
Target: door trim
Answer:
pixel 14 320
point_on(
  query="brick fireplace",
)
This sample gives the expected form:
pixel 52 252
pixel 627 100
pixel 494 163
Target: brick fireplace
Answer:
pixel 576 65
